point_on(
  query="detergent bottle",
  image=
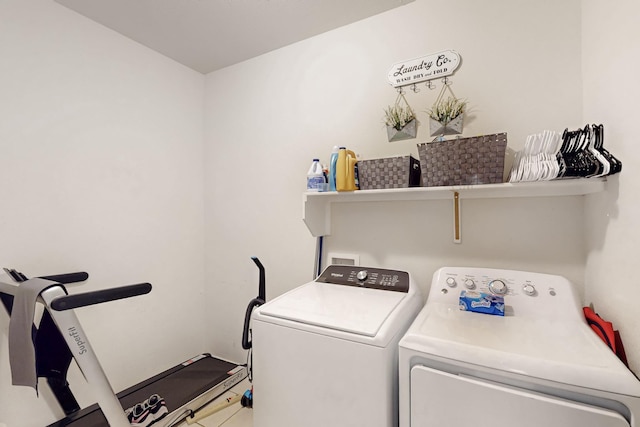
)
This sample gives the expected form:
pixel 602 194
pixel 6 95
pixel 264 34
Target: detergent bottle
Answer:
pixel 333 164
pixel 345 170
pixel 315 177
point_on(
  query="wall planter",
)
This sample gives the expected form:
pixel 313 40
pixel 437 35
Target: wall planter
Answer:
pixel 400 120
pixel 453 127
pixel 407 131
pixel 446 116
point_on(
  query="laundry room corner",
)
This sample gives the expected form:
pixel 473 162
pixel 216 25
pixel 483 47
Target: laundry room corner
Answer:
pixel 611 92
pixel 268 117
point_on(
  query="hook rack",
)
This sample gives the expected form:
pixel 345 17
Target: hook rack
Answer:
pixel 429 84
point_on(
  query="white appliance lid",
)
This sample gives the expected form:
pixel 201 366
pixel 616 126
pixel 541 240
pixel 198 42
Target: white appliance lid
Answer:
pixel 357 310
pixel 564 352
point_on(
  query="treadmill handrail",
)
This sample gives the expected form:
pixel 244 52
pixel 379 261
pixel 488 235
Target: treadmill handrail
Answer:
pixel 69 302
pixel 67 278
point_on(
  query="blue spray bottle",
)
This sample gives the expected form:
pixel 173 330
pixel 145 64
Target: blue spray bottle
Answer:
pixel 333 164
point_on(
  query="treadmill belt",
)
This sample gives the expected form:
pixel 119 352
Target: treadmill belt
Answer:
pixel 178 386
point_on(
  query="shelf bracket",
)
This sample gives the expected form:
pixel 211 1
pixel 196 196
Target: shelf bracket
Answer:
pixel 457 236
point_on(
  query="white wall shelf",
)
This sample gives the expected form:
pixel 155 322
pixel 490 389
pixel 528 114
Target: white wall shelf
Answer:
pixel 317 206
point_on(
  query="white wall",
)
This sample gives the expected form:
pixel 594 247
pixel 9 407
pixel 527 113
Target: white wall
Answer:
pixel 611 59
pixel 268 117
pixel 101 171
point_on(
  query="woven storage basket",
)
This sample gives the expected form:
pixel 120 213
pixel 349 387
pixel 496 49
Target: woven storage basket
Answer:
pixel 392 172
pixel 463 161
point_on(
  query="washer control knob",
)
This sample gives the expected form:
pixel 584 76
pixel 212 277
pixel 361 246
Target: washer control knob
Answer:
pixel 498 287
pixel 470 284
pixel 529 289
pixel 451 282
pixel 362 275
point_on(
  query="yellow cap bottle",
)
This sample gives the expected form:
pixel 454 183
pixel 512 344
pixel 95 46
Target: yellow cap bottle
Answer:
pixel 345 170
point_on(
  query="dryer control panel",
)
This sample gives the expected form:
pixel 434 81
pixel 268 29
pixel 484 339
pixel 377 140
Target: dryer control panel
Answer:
pixel 526 294
pixel 364 277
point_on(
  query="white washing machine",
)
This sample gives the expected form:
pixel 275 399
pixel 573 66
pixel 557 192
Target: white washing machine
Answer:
pixel 539 365
pixel 326 353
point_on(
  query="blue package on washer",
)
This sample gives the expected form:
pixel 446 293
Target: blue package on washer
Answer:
pixel 481 302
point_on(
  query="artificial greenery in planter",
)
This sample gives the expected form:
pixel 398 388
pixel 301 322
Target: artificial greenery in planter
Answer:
pixel 446 115
pixel 400 121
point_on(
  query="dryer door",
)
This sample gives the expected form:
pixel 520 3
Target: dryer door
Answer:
pixel 440 399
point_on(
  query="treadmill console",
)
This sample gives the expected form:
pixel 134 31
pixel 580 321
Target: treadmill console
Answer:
pixel 364 277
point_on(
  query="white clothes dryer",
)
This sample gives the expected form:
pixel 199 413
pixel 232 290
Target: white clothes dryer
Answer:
pixel 326 353
pixel 539 365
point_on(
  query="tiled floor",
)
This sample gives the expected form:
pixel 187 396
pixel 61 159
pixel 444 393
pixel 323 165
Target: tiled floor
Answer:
pixel 232 416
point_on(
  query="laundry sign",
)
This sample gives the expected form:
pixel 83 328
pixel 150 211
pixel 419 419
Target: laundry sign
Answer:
pixel 434 66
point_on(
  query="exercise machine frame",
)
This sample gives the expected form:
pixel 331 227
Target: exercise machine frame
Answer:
pixel 61 338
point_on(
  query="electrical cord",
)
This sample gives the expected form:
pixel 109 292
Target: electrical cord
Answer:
pixel 249 365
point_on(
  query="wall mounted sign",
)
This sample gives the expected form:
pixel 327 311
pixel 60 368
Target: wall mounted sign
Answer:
pixel 434 66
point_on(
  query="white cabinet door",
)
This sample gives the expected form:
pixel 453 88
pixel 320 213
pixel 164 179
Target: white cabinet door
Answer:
pixel 440 399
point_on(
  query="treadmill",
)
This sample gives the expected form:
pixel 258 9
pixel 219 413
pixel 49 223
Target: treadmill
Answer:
pixel 186 388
